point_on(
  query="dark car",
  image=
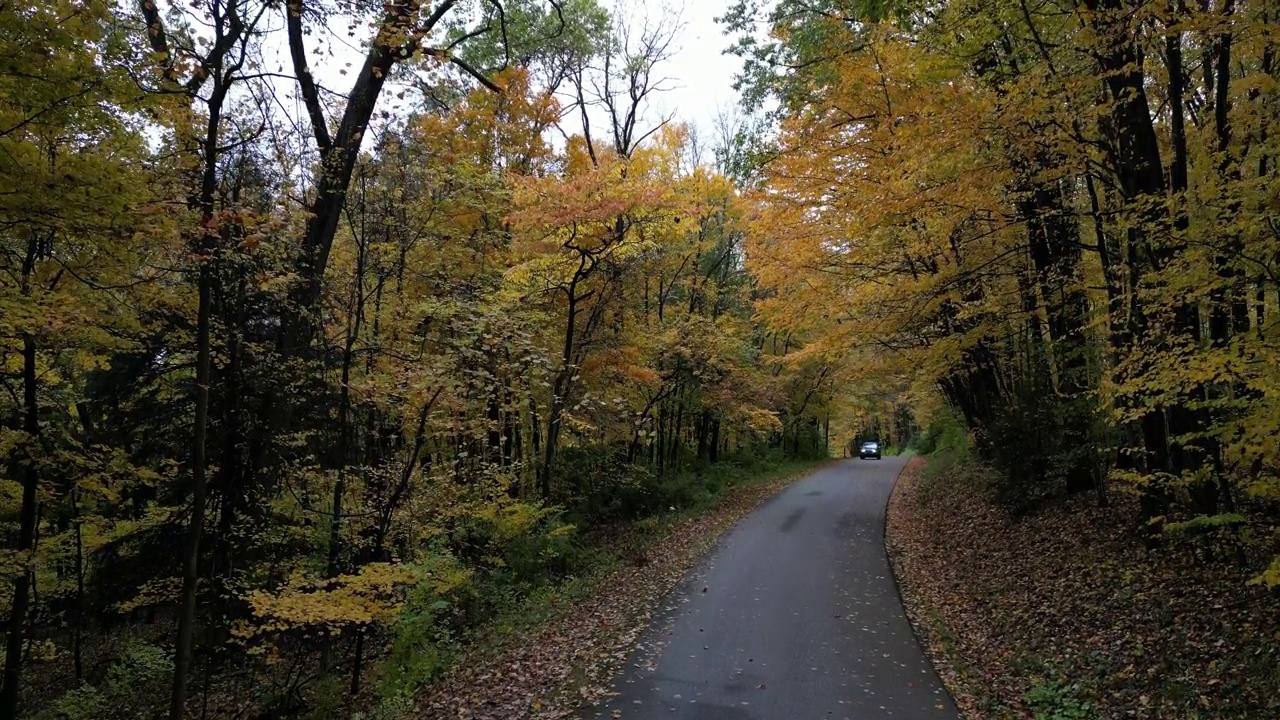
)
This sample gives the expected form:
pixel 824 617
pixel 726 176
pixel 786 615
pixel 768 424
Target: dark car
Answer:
pixel 869 450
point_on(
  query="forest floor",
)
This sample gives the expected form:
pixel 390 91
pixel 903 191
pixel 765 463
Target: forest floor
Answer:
pixel 566 650
pixel 1066 615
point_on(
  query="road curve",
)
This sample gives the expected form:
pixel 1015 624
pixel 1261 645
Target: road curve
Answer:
pixel 795 615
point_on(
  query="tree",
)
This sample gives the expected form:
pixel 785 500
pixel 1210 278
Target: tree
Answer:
pixel 1074 175
pixel 371 361
pixel 70 183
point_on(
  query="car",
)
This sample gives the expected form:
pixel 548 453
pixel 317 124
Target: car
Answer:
pixel 869 450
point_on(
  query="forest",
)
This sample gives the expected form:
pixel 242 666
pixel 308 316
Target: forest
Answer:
pixel 1056 220
pixel 1053 226
pixel 311 367
pixel 302 381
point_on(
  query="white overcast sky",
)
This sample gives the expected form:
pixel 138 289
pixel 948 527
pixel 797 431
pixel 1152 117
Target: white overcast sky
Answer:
pixel 700 71
pixel 700 75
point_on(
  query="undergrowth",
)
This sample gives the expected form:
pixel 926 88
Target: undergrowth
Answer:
pixel 428 637
pixel 1070 612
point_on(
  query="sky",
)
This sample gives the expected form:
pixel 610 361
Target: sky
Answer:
pixel 701 73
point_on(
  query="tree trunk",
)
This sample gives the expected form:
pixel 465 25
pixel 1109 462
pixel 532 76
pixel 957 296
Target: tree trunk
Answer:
pixel 207 254
pixel 191 562
pixel 1054 249
pixel 77 649
pixel 563 380
pixel 397 39
pixel 1142 182
pixel 27 527
pixel 704 435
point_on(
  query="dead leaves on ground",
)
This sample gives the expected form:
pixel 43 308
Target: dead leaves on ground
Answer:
pixel 1072 595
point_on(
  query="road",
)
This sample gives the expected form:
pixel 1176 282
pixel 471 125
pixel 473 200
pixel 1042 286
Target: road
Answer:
pixel 794 615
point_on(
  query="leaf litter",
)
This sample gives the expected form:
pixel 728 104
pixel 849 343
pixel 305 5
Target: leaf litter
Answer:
pixel 1068 608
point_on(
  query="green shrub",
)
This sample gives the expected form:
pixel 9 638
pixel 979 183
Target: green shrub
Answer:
pixel 649 527
pixel 946 433
pixel 390 708
pixel 546 551
pixel 615 491
pixel 627 493
pixel 84 703
pixel 422 637
pixel 527 541
pixel 421 648
pixel 136 684
pixel 1058 700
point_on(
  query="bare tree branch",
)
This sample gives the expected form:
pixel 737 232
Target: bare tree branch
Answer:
pixel 502 23
pixel 466 67
pixel 306 82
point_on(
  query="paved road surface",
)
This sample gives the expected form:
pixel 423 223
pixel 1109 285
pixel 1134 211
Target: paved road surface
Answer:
pixel 794 616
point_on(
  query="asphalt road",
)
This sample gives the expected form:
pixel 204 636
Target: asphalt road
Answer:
pixel 793 616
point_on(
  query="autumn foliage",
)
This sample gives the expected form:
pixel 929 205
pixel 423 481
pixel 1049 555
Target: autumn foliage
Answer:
pixel 303 385
pixel 1055 220
pixel 308 375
